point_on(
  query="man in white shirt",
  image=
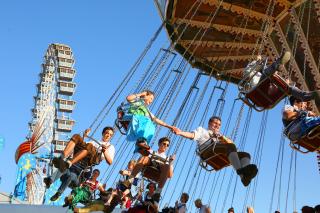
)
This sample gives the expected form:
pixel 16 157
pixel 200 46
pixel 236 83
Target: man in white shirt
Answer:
pixel 202 208
pixel 166 170
pixel 223 144
pixel 181 207
pixel 92 152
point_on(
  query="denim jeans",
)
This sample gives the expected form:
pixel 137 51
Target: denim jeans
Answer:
pixel 308 124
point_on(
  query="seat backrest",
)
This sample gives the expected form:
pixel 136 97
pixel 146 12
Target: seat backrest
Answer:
pixel 314 132
pixel 151 173
pixel 292 131
pixel 268 92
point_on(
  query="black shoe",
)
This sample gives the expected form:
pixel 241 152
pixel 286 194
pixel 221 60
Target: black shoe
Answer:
pixel 60 164
pixel 47 181
pixel 248 173
pixel 55 196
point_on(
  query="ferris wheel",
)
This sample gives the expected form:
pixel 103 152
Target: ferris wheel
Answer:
pixel 50 125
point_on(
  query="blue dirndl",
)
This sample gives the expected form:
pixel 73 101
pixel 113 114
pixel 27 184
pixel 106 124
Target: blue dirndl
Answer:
pixel 140 127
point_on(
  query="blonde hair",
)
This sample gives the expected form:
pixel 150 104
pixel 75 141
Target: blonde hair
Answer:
pixel 250 209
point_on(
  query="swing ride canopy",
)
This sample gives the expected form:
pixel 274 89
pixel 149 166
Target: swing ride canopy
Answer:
pixel 221 37
pixel 187 99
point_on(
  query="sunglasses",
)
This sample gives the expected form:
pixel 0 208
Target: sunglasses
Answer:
pixel 165 144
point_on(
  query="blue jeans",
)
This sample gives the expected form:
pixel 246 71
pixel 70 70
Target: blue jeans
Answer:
pixel 66 179
pixel 309 123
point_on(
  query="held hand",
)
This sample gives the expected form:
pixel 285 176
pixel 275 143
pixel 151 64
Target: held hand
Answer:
pixel 176 130
pixel 86 132
pixel 121 172
pixel 220 137
pixel 224 139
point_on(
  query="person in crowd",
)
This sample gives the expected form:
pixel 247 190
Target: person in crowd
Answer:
pixel 231 210
pixel 150 193
pixel 250 209
pixel 202 208
pixel 181 207
pixel 307 209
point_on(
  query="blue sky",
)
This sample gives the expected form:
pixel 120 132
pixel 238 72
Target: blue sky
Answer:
pixel 106 38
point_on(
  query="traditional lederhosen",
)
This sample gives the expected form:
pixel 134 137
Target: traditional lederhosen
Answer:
pixel 93 156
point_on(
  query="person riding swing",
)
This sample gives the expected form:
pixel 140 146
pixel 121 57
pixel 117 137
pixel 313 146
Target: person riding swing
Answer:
pixel 256 72
pixel 299 122
pixel 222 144
pixel 84 192
pixel 89 153
pixel 91 150
pixel 141 127
pixel 166 169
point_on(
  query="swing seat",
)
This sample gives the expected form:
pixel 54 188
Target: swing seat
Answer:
pixel 268 93
pixel 121 123
pixel 310 142
pixel 152 172
pixel 212 160
pixel 135 126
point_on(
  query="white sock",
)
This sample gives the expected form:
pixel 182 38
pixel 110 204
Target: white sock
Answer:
pixel 234 160
pixel 131 179
pixel 245 161
pixel 69 163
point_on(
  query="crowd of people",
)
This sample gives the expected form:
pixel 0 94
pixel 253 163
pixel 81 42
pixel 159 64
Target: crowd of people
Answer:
pixel 74 165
